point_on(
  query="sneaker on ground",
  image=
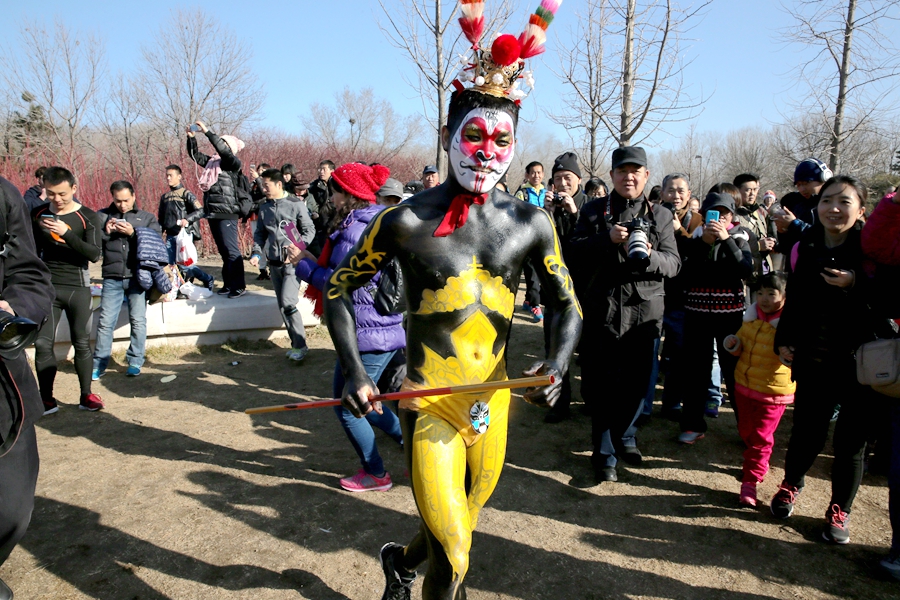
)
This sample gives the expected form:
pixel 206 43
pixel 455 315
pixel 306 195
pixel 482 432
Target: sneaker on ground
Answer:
pixel 397 585
pixel 748 494
pixel 363 482
pixel 837 525
pixel 236 293
pixel 891 564
pixel 263 276
pixel 783 502
pixel 298 354
pixel 90 402
pixel 97 374
pixel 133 371
pixel 223 291
pixel 689 437
pixel 537 314
pixel 211 284
pixel 50 407
pixel 526 306
pixel 712 409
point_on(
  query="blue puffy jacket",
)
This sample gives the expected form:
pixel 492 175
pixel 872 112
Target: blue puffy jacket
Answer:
pixel 374 332
pixel 152 257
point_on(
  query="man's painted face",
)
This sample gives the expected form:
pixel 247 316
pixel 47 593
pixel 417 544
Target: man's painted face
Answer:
pixel 482 149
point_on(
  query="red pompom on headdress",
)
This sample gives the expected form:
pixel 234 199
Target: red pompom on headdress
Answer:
pixel 505 50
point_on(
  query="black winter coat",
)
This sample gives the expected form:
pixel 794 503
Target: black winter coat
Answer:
pixel 220 201
pixel 619 294
pixel 824 323
pixel 177 205
pixel 120 250
pixel 25 284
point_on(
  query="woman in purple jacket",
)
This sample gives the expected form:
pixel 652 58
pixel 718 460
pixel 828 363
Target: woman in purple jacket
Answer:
pixel 353 187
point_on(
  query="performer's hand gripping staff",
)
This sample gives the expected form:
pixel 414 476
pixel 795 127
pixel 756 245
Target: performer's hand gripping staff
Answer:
pixel 536 386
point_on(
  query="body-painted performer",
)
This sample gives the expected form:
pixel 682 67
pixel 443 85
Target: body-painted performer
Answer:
pixel 461 247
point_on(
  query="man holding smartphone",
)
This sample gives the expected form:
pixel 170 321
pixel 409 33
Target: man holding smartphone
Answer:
pixel 279 213
pixel 67 238
pixel 120 266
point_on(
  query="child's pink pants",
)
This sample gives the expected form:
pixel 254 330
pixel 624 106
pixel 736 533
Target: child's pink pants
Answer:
pixel 757 426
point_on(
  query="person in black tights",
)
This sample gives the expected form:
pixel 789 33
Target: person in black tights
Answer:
pixel 67 237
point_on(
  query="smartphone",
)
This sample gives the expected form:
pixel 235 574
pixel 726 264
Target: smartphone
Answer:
pixel 51 216
pixel 290 230
pixel 252 167
pixel 712 215
pixel 195 127
pixel 829 263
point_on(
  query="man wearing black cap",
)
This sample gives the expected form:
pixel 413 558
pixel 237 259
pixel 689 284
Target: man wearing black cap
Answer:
pixel 624 247
pixel 565 205
pixel 430 177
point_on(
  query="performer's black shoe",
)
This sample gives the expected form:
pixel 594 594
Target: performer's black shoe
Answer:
pixel 5 592
pixel 398 582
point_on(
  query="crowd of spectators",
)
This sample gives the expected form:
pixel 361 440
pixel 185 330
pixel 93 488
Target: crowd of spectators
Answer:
pixel 770 297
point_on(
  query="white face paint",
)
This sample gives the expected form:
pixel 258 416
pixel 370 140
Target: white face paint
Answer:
pixel 482 149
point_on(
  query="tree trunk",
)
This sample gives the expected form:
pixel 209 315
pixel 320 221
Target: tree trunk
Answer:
pixel 441 91
pixel 834 158
pixel 627 77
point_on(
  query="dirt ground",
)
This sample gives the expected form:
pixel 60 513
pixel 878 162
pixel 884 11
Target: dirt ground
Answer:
pixel 173 492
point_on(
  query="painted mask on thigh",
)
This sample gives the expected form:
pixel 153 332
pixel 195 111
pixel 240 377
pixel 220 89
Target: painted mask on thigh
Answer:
pixel 482 149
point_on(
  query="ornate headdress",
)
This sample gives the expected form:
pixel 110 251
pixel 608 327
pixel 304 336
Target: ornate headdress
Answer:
pixel 500 70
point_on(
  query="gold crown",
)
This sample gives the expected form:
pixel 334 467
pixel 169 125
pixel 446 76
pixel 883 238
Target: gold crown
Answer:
pixel 487 77
pixel 498 80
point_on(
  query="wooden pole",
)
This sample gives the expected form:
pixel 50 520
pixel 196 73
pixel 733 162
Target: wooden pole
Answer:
pixel 489 386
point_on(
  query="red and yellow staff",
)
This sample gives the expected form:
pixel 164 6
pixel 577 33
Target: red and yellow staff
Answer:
pixel 489 386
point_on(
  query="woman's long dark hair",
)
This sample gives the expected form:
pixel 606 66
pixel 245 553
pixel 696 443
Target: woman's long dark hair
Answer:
pixel 340 215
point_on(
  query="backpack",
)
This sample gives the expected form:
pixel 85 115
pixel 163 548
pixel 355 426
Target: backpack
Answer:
pixel 242 194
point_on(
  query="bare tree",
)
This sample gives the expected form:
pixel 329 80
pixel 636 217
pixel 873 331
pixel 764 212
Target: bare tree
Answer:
pixel 197 68
pixel 852 67
pixel 423 31
pixel 61 72
pixel 362 123
pixel 635 83
pixel 582 66
pixel 130 139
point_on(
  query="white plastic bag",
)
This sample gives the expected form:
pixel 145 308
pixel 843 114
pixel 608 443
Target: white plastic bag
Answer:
pixel 194 292
pixel 185 251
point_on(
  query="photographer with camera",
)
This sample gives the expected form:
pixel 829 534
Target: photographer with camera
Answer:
pixel 25 298
pixel 564 204
pixel 623 247
pixel 717 261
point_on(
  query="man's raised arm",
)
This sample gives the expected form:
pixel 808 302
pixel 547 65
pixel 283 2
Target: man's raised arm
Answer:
pixel 565 326
pixel 357 268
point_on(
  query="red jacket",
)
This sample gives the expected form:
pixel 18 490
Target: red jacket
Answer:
pixel 881 235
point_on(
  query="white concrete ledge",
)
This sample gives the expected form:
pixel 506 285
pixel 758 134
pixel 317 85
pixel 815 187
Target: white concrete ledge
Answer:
pixel 253 316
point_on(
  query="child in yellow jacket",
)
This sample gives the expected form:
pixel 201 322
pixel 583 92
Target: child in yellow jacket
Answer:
pixel 763 386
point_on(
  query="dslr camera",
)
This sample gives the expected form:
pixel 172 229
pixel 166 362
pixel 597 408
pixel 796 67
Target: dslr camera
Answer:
pixel 638 244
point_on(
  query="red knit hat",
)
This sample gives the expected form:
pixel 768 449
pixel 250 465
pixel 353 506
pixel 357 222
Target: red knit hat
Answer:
pixel 361 181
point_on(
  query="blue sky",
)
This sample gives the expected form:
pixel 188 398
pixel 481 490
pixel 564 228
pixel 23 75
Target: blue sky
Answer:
pixel 306 51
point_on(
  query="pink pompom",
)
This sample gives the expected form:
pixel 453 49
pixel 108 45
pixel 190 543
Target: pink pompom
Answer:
pixel 505 50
